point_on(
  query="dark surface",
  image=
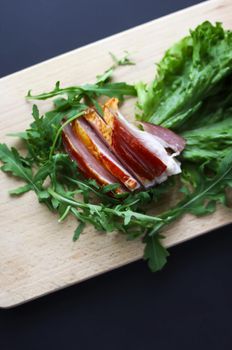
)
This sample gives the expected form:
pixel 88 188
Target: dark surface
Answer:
pixel 187 305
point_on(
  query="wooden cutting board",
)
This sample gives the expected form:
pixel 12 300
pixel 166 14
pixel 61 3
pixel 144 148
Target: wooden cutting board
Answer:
pixel 37 255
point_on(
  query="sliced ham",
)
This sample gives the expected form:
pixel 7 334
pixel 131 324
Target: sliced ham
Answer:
pixel 87 163
pixel 110 150
pixel 143 154
pixel 150 150
pixel 125 135
pixel 167 137
pixel 102 153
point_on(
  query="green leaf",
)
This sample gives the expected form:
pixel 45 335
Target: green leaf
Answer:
pixel 107 75
pixel 127 217
pixel 64 213
pixel 110 188
pixel 124 61
pixel 97 106
pixel 78 231
pixel 12 163
pixel 55 203
pixel 35 112
pixel 62 104
pixel 102 78
pixel 22 135
pixel 191 71
pixel 20 190
pixel 43 195
pixel 119 90
pixel 42 173
pixel 155 254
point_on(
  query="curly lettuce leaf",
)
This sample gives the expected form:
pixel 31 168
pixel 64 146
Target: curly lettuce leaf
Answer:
pixel 191 71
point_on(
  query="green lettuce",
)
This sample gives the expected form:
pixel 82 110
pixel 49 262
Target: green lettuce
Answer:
pixel 193 71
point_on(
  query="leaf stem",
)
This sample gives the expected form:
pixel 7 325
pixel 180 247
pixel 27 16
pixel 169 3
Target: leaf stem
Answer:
pixel 67 210
pixel 55 92
pixel 73 202
pixel 59 132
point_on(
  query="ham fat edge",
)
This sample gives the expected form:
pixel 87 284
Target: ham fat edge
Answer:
pixel 110 150
pixel 144 154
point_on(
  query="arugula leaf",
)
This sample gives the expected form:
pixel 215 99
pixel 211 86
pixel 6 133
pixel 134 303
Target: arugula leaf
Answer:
pixel 107 75
pixel 124 61
pixel 78 231
pixel 20 190
pixel 202 201
pixel 90 91
pixel 43 131
pixel 110 188
pixel 155 253
pixel 118 90
pixel 21 134
pixel 98 209
pixel 207 191
pixel 12 163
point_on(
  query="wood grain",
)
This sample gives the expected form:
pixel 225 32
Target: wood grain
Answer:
pixel 37 254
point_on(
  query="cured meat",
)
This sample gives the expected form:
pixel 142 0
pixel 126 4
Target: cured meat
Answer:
pixel 110 149
pixel 143 154
pixel 167 137
pixel 89 166
pixel 102 153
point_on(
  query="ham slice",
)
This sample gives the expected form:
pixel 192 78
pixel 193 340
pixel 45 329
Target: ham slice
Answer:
pixel 109 149
pixel 87 163
pixel 101 152
pixel 143 154
pixel 167 137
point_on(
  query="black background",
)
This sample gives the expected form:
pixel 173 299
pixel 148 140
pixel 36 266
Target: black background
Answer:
pixel 188 304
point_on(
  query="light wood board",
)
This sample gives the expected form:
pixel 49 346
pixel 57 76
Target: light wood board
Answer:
pixel 37 255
